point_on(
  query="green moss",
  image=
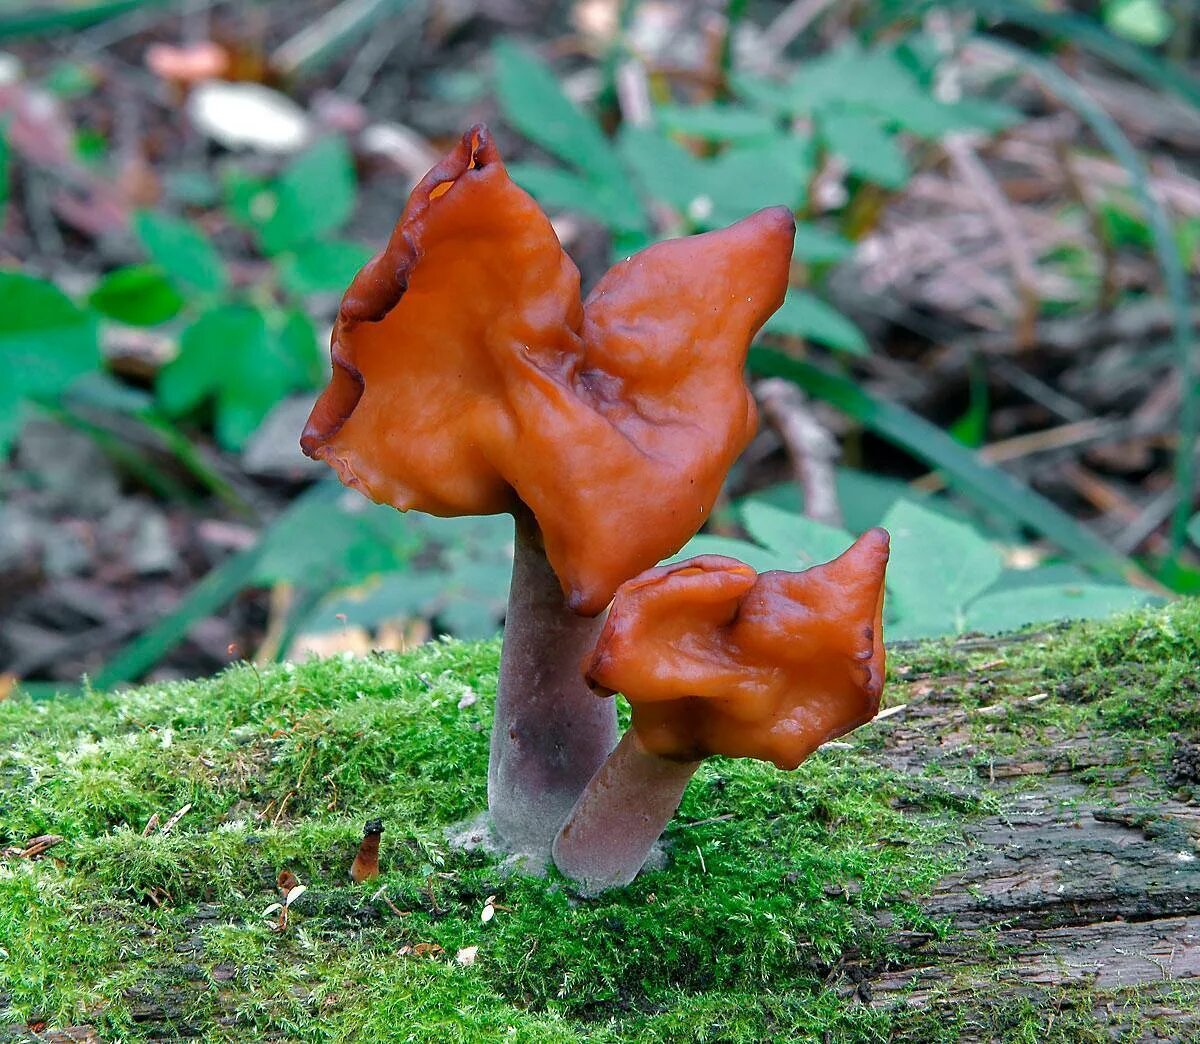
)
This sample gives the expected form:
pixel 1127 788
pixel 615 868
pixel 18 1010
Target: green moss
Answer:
pixel 775 879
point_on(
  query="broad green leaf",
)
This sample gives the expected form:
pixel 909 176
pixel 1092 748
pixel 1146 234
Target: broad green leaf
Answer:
pixel 802 540
pixel 937 566
pixel 1193 530
pixel 756 557
pixel 232 356
pixel 533 102
pixel 987 485
pixel 804 315
pixel 816 245
pixel 1143 21
pixel 766 95
pixel 394 596
pixel 182 251
pixel 718 123
pixel 868 150
pixel 334 541
pixel 1018 607
pixel 663 168
pixel 747 178
pixel 46 343
pixel 321 266
pixel 558 189
pixel 314 195
pixel 850 76
pixel 140 295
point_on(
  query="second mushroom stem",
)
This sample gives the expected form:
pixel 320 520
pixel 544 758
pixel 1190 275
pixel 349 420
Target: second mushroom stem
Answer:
pixel 550 733
pixel 621 813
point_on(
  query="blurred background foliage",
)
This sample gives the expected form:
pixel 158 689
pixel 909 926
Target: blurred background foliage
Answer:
pixel 987 347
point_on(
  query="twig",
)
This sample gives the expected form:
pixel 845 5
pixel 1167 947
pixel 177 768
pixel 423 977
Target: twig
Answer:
pixel 968 164
pixel 706 822
pixel 789 24
pixel 170 824
pixel 813 451
pixel 633 93
pixel 319 41
pixel 1065 436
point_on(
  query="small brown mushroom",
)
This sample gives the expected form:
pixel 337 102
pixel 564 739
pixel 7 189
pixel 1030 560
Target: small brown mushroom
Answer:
pixel 716 659
pixel 366 860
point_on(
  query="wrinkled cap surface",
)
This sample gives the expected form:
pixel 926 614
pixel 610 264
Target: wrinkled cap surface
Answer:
pixel 468 374
pixel 716 659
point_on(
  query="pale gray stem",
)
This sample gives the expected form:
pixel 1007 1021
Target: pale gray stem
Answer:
pixel 551 733
pixel 622 812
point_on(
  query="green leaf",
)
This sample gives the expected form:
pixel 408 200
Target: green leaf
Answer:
pixel 868 150
pixel 140 295
pixel 802 540
pixel 718 123
pixel 756 557
pixel 233 357
pixel 747 178
pixel 815 245
pixel 557 189
pixel 984 483
pixel 46 343
pixel 807 316
pixel 937 567
pixel 1143 21
pixel 1193 529
pixel 321 266
pixel 533 102
pixel 315 195
pixel 663 169
pixel 334 541
pixel 182 251
pixel 1019 607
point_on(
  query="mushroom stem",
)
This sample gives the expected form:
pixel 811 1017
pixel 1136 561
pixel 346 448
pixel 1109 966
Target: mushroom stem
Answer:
pixel 550 733
pixel 620 814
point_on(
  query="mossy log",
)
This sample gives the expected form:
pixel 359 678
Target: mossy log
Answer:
pixel 1012 853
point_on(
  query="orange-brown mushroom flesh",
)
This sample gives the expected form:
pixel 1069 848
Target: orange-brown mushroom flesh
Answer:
pixel 717 660
pixel 469 375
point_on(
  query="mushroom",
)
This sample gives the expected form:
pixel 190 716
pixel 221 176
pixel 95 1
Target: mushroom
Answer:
pixel 716 659
pixel 469 377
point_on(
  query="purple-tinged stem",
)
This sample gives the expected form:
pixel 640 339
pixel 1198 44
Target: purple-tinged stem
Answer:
pixel 551 733
pixel 620 814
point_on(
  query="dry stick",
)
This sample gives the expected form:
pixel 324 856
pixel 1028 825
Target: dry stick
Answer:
pixel 1064 436
pixel 550 733
pixel 789 24
pixel 813 451
pixel 633 93
pixel 972 170
pixel 624 810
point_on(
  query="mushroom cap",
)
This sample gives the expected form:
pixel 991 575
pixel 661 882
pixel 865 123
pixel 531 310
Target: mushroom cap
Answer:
pixel 716 659
pixel 469 376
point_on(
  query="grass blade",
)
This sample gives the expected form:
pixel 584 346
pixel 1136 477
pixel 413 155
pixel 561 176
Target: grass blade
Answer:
pixel 984 483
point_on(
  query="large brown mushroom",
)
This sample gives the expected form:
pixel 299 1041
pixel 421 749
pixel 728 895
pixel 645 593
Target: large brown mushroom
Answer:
pixel 716 659
pixel 469 377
